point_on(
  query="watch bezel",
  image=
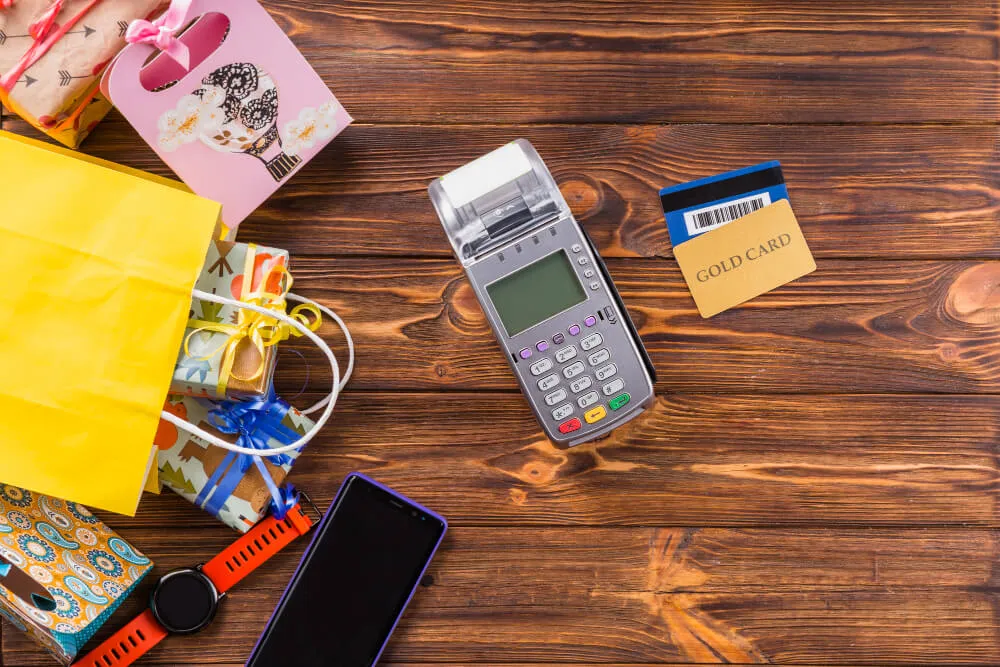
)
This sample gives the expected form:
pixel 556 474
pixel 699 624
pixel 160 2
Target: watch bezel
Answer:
pixel 198 574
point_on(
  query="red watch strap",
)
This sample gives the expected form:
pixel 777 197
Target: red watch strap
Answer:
pixel 253 549
pixel 225 570
pixel 127 645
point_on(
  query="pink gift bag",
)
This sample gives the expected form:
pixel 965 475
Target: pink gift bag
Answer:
pixel 233 119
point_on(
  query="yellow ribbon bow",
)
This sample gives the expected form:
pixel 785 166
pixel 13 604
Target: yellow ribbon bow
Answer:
pixel 257 329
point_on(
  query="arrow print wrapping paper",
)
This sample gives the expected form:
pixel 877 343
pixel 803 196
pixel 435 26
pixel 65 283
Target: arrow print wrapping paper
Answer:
pixel 56 89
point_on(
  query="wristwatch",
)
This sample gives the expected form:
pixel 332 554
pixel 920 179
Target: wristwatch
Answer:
pixel 184 601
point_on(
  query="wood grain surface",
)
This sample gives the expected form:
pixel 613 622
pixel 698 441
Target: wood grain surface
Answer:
pixel 488 61
pixel 859 191
pixel 852 326
pixel 648 595
pixel 817 482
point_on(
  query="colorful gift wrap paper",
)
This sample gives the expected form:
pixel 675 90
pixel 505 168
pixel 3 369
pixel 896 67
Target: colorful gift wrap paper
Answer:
pixel 230 352
pixel 58 93
pixel 63 572
pixel 230 486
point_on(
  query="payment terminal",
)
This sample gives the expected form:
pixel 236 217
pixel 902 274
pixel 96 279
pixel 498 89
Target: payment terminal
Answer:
pixel 546 293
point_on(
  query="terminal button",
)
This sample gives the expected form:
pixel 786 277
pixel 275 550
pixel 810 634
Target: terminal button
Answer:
pixel 596 415
pixel 555 397
pixel 565 354
pixel 573 370
pixel 525 353
pixel 613 387
pixel 619 401
pixel 598 357
pixel 541 366
pixel 562 412
pixel 587 400
pixel 591 341
pixel 570 426
pixel 574 330
pixel 548 382
pixel 590 321
pixel 605 372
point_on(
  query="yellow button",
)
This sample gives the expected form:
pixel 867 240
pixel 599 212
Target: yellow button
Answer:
pixel 596 415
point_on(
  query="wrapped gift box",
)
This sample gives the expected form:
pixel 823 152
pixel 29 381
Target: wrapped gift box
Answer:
pixel 228 485
pixel 62 571
pixel 219 359
pixel 58 93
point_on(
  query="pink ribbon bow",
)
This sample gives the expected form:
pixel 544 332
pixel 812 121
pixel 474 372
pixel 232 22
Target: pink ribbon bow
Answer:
pixel 41 27
pixel 161 33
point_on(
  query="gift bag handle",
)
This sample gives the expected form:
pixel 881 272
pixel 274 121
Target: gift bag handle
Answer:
pixel 350 351
pixel 328 402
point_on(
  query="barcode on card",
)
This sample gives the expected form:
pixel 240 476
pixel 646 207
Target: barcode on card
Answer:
pixel 710 217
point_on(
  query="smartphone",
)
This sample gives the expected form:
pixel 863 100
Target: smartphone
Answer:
pixel 365 561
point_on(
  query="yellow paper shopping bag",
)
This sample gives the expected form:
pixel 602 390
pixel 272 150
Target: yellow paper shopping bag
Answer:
pixel 99 263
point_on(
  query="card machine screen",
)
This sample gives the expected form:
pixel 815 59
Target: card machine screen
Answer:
pixel 536 292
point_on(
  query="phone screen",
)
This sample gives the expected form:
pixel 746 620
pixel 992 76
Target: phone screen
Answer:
pixel 354 581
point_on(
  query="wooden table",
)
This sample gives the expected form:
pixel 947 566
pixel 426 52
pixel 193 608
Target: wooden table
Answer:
pixel 818 480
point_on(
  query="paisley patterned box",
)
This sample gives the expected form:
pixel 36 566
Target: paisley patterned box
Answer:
pixel 62 571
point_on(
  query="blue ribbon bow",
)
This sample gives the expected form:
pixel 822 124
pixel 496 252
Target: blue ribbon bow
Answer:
pixel 256 422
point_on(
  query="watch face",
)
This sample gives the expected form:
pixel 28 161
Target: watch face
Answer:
pixel 184 601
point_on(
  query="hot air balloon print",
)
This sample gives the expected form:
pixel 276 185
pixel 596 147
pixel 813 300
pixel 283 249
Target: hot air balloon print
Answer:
pixel 235 110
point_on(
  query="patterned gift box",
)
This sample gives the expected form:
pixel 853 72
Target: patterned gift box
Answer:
pixel 227 485
pixel 58 92
pixel 62 571
pixel 220 358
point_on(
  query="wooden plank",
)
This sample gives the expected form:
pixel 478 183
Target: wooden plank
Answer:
pixel 858 191
pixel 884 191
pixel 484 61
pixel 852 326
pixel 717 460
pixel 645 595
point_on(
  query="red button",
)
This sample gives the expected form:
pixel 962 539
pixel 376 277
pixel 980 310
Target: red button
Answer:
pixel 570 426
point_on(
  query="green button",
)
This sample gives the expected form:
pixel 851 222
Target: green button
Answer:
pixel 618 401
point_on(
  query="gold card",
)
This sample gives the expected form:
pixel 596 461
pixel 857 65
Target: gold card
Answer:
pixel 745 258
